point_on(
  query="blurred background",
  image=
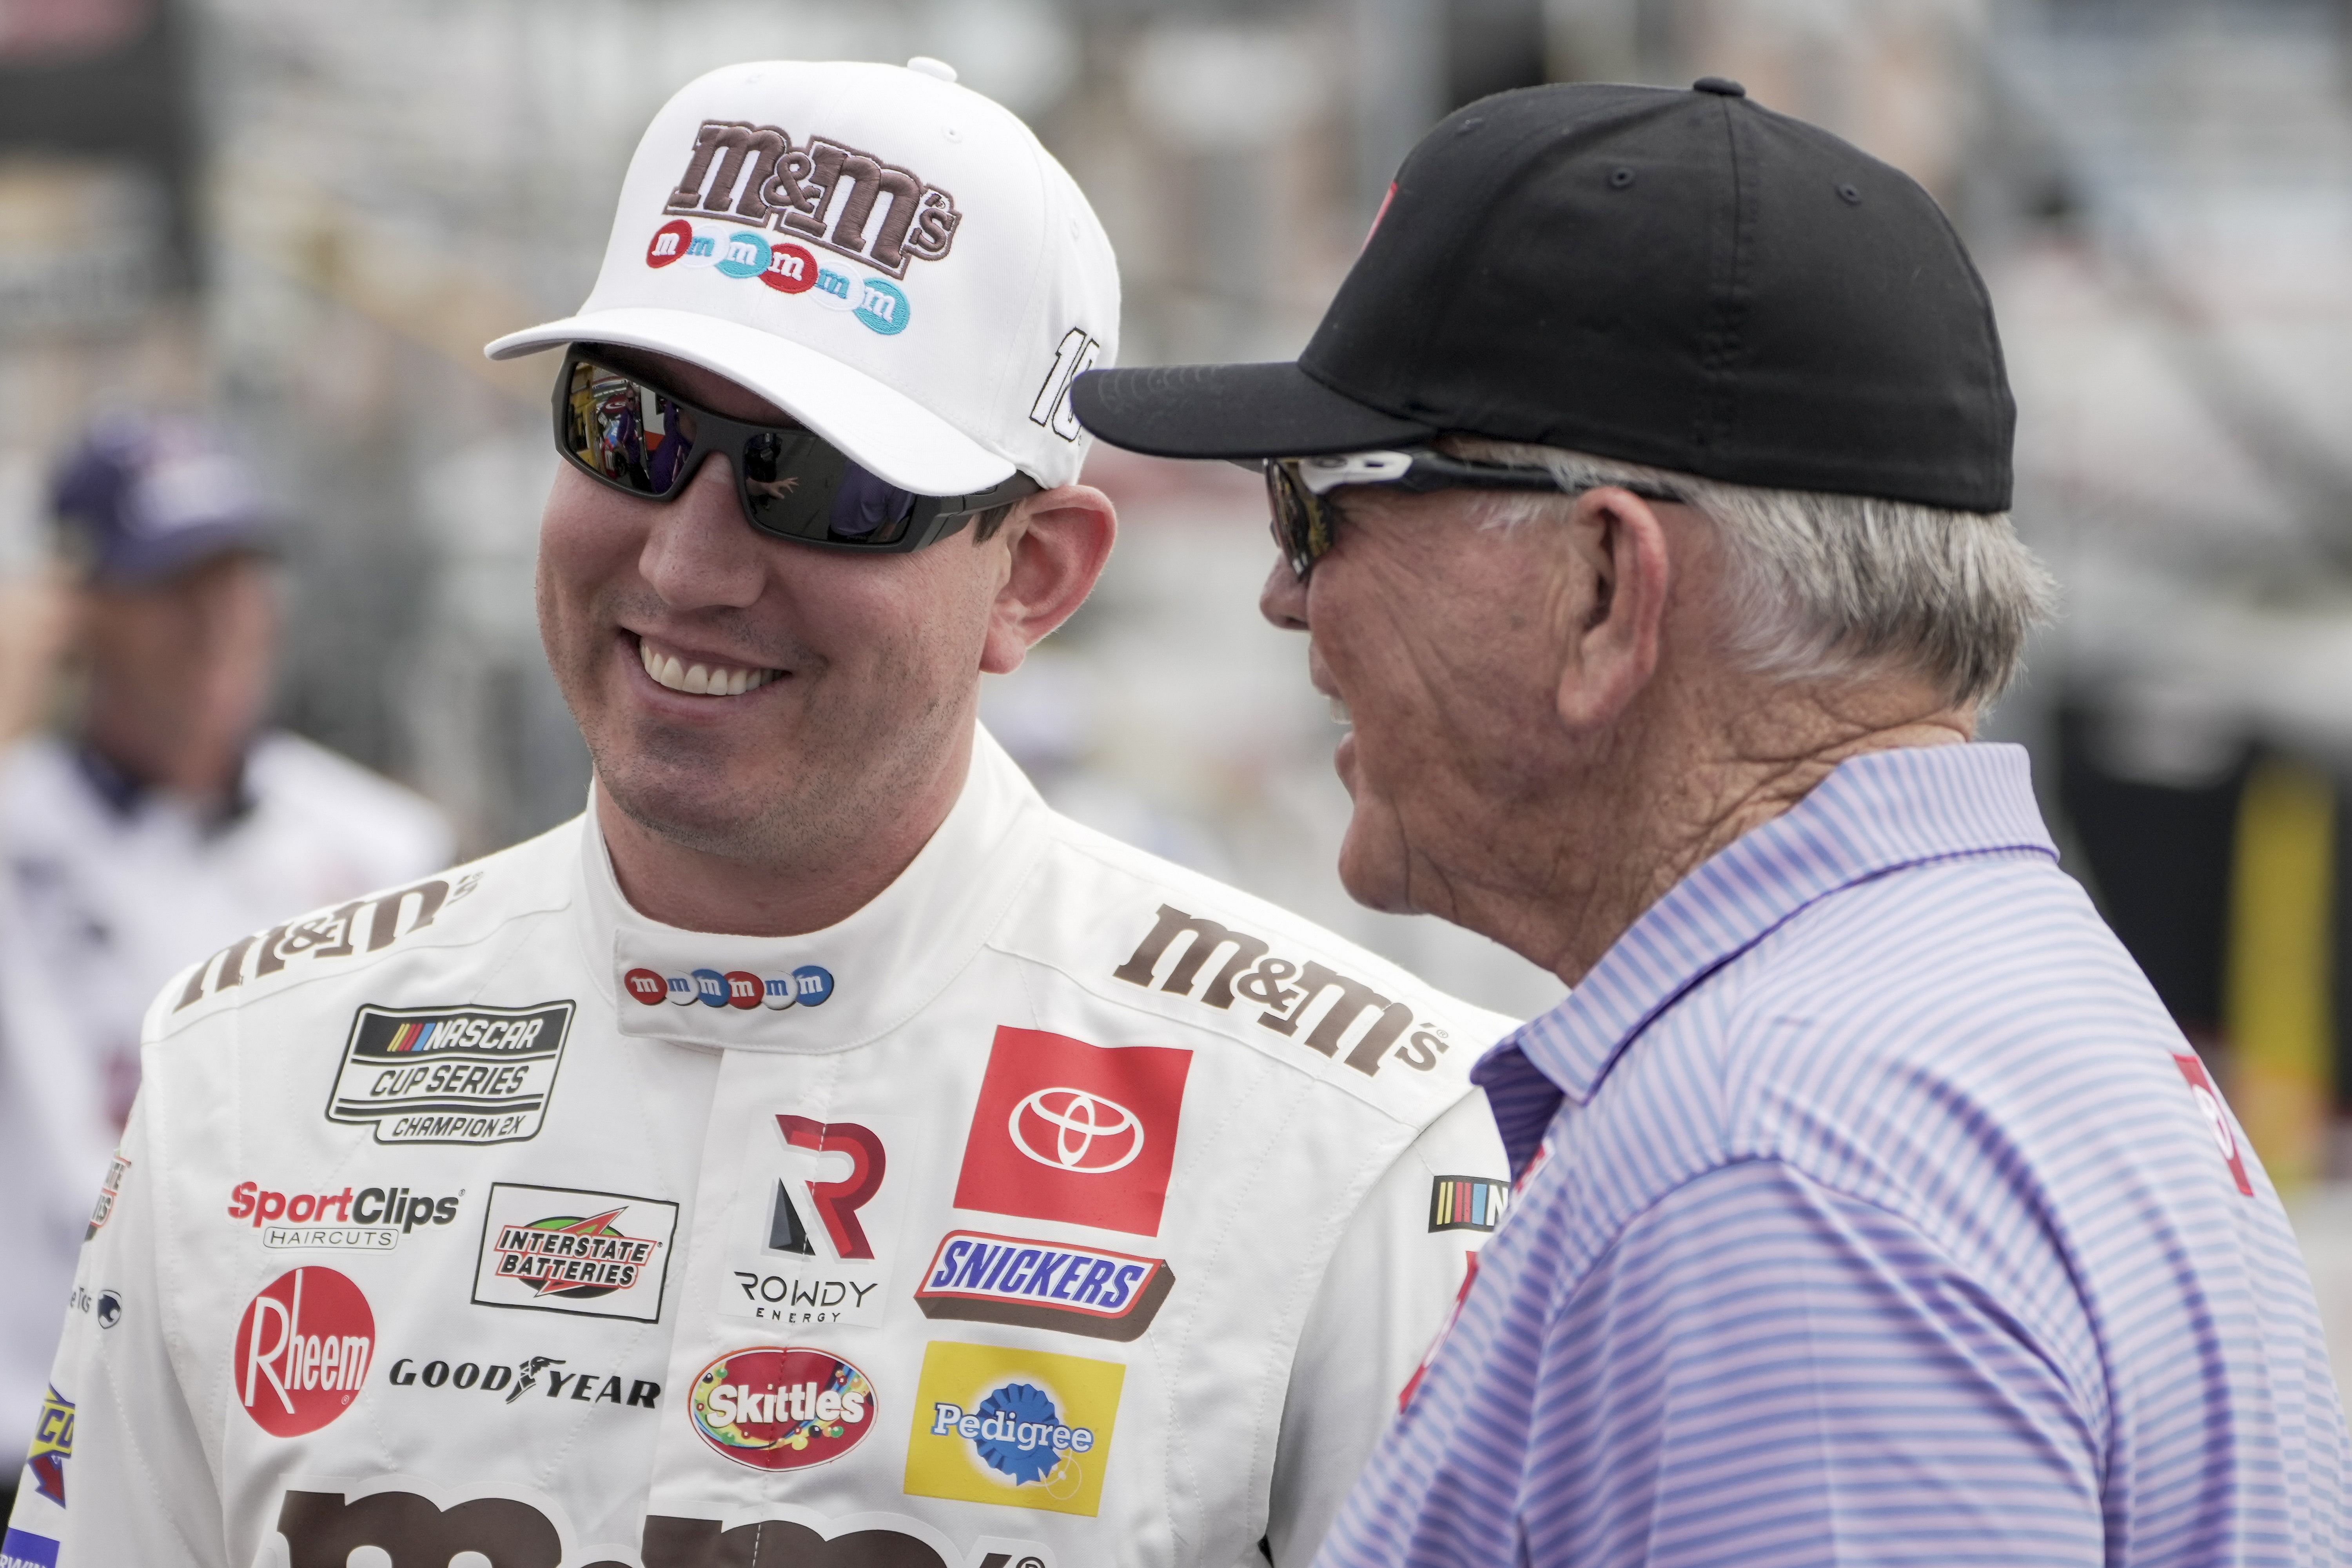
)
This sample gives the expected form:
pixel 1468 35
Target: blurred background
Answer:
pixel 303 221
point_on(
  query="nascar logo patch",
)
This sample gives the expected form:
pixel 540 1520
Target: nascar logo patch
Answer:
pixel 470 1075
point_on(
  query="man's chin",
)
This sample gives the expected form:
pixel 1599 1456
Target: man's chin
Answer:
pixel 688 808
pixel 1372 867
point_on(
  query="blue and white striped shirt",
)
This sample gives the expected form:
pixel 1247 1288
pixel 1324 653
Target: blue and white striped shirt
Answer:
pixel 1881 1220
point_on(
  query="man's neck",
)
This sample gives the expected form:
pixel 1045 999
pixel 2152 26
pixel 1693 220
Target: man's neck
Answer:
pixel 1723 771
pixel 699 890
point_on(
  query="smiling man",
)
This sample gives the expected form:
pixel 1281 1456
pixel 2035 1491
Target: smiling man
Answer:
pixel 820 1152
pixel 1643 494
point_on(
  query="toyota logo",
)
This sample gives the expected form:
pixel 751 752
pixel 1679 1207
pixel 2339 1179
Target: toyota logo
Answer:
pixel 1078 1122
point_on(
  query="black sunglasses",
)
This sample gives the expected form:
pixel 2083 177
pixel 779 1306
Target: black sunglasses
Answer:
pixel 1305 520
pixel 792 483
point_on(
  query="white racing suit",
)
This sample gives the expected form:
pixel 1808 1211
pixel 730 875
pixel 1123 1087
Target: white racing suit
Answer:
pixel 1060 1208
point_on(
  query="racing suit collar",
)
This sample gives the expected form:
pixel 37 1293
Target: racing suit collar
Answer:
pixel 837 988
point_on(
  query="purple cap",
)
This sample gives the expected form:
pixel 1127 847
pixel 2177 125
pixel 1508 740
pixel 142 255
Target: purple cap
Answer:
pixel 144 498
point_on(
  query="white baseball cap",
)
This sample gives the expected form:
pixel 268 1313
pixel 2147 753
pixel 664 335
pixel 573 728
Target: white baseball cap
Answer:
pixel 891 258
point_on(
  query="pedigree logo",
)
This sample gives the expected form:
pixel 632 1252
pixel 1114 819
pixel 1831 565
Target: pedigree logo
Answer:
pixel 302 1351
pixel 1178 949
pixel 754 175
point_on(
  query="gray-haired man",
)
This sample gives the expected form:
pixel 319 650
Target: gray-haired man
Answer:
pixel 1645 495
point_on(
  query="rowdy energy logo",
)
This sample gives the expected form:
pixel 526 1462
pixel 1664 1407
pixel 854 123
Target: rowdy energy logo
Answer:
pixel 302 1351
pixel 1077 1289
pixel 474 1075
pixel 809 1201
pixel 554 1250
pixel 1024 1428
pixel 1067 1130
pixel 1289 991
pixel 775 1407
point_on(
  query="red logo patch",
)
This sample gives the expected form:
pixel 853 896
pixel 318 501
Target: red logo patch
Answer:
pixel 669 242
pixel 1070 1131
pixel 837 1203
pixel 302 1351
pixel 775 1407
pixel 645 986
pixel 2217 1119
pixel 791 270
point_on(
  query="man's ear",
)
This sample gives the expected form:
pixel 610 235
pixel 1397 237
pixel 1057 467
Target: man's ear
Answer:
pixel 1617 550
pixel 1057 543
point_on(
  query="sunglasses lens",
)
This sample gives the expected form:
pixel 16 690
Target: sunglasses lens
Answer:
pixel 795 483
pixel 1300 531
pixel 622 430
pixel 868 512
pixel 799 486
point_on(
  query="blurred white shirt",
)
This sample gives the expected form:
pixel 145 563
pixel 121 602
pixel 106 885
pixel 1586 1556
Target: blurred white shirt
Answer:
pixel 106 891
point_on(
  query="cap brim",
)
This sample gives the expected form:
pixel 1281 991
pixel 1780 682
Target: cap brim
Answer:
pixel 887 432
pixel 1231 411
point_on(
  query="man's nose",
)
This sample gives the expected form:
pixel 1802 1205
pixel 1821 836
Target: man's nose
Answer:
pixel 700 552
pixel 1283 600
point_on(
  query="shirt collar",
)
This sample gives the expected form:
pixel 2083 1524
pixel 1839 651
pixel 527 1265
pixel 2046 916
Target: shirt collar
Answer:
pixel 1873 814
pixel 851 981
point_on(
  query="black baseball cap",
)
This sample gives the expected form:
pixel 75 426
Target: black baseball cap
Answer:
pixel 1679 278
pixel 145 498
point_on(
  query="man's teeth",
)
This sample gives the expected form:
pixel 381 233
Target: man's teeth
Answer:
pixel 702 679
pixel 1339 715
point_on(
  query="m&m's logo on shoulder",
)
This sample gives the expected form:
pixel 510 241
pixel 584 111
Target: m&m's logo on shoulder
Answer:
pixel 810 986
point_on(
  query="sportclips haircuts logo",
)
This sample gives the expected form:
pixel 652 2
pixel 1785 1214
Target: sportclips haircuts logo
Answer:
pixel 810 986
pixel 753 174
pixel 302 1351
pixel 370 1220
pixel 1178 947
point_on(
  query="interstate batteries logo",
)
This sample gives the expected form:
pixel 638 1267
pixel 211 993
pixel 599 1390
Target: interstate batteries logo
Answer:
pixel 554 1250
pixel 777 1407
pixel 1024 1428
pixel 474 1075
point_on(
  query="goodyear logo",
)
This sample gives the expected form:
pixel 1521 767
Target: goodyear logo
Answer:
pixel 473 1075
pixel 1023 1428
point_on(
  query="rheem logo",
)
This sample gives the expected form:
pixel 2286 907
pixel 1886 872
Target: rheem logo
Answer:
pixel 302 1351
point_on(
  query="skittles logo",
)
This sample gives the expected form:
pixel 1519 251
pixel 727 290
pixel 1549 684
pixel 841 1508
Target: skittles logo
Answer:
pixel 876 304
pixel 774 1407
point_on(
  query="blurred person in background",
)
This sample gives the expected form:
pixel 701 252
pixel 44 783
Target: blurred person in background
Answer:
pixel 1644 497
pixel 164 820
pixel 820 1151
